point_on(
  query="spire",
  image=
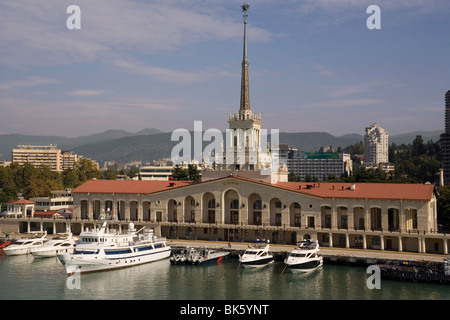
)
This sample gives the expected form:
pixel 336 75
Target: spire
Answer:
pixel 245 92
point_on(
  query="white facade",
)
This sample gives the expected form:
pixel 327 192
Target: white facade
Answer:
pixel 376 146
pixel 319 165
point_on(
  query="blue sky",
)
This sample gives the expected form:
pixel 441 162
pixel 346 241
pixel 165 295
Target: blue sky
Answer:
pixel 135 64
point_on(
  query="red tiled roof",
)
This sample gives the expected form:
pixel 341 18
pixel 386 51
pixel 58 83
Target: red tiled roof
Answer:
pixel 128 186
pixel 23 201
pixel 386 191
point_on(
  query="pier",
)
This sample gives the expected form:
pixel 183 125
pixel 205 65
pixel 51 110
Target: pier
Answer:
pixel 393 265
pixel 330 255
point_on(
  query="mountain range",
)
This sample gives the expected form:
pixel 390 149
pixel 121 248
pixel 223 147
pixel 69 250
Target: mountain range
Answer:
pixel 152 144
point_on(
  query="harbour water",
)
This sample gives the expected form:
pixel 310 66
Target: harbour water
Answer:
pixel 26 278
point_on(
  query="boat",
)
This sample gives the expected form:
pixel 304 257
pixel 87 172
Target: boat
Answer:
pixel 99 250
pixel 25 245
pixel 205 256
pixel 257 255
pixel 200 256
pixel 54 246
pixel 305 257
pixel 179 257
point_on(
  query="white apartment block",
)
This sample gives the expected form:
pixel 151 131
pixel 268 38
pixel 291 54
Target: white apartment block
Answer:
pixel 376 147
pixel 319 165
pixel 48 155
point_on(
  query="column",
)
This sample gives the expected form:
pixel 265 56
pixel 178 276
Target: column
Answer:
pixel 364 242
pixel 381 242
pixel 347 242
pixel 333 217
pixel 127 210
pixel 400 244
pixel 330 236
pixel 140 214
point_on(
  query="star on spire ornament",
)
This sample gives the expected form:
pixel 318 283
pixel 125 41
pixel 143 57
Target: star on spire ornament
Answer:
pixel 245 7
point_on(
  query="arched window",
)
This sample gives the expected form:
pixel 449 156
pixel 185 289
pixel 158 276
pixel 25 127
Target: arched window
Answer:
pixel 234 211
pixel 257 216
pixel 212 211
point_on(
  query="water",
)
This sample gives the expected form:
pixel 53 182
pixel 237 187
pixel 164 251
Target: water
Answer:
pixel 24 278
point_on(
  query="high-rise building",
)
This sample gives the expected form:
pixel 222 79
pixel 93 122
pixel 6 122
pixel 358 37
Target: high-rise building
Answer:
pixel 445 141
pixel 48 155
pixel 376 147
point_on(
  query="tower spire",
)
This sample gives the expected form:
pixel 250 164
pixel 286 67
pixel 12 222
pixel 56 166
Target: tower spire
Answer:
pixel 245 92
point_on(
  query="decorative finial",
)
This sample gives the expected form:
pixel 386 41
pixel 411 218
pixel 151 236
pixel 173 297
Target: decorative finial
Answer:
pixel 245 7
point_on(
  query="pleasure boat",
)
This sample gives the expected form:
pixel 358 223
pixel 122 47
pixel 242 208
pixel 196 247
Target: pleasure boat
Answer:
pixel 24 245
pixel 54 246
pixel 205 256
pixel 305 257
pixel 99 250
pixel 179 257
pixel 193 256
pixel 257 255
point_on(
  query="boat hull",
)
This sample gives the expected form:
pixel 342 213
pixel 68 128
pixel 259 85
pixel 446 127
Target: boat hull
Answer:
pixel 16 252
pixel 209 261
pixel 50 253
pixel 256 263
pixel 305 266
pixel 89 263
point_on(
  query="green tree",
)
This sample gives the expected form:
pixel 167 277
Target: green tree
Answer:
pixel 179 173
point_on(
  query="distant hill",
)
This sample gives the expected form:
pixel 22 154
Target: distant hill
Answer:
pixel 152 144
pixel 10 141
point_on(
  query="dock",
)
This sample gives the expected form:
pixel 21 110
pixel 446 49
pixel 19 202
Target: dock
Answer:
pixel 331 255
pixel 393 265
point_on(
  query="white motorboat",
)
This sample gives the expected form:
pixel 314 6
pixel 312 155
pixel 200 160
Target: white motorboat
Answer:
pixel 25 245
pixel 198 257
pixel 57 245
pixel 305 257
pixel 257 255
pixel 99 250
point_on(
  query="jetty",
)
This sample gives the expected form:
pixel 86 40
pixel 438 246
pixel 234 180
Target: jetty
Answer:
pixel 393 265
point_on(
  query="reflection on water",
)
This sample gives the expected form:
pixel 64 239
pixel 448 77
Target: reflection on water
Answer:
pixel 23 277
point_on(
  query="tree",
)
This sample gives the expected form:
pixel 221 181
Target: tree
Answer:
pixel 179 173
pixel 189 173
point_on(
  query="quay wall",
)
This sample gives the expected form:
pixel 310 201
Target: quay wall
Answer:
pixel 351 257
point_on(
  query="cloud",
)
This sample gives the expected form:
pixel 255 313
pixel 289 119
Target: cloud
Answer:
pixel 341 103
pixel 170 75
pixel 87 93
pixel 30 81
pixel 357 88
pixel 35 32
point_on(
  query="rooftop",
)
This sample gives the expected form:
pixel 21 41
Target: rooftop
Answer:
pixel 386 191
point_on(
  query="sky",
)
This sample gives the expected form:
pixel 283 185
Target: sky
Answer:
pixel 315 66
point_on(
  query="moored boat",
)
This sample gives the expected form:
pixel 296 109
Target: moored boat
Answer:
pixel 205 256
pixel 257 255
pixel 99 250
pixel 305 257
pixel 57 245
pixel 198 256
pixel 24 245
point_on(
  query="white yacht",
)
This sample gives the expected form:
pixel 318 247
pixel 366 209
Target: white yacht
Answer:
pixel 257 255
pixel 305 257
pixel 99 250
pixel 54 246
pixel 25 245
